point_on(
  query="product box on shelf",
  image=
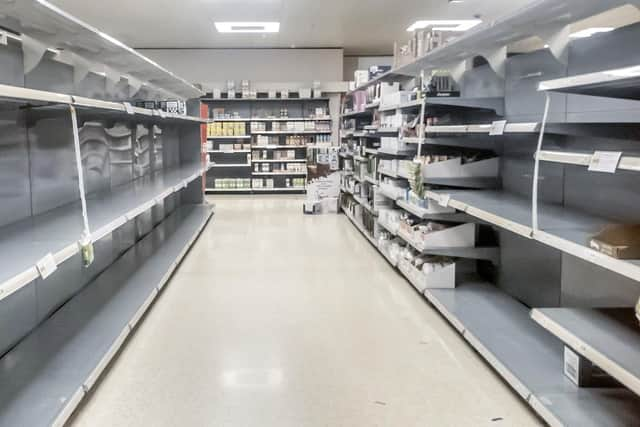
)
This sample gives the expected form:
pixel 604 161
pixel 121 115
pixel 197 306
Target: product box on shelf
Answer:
pixel 583 373
pixel 393 144
pixel 390 99
pixel 360 77
pixel 378 70
pixel 618 241
pixel 432 275
pixel 305 93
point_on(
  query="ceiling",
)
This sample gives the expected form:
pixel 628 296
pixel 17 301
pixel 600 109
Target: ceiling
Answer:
pixel 361 27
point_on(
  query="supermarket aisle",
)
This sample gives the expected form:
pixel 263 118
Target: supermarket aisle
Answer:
pixel 281 319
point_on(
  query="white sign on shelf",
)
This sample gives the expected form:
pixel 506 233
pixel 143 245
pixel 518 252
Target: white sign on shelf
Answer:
pixel 498 127
pixel 128 108
pixel 46 266
pixel 605 161
pixel 444 200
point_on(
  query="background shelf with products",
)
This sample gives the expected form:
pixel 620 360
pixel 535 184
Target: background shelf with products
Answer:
pixel 277 131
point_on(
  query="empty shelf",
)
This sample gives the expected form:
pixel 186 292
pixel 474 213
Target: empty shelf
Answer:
pixel 610 338
pixel 528 357
pixel 57 231
pixel 107 211
pixel 617 83
pixel 565 229
pixel 47 374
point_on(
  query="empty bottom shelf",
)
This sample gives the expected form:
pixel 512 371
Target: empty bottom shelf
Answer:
pixel 47 374
pixel 529 358
pixel 608 337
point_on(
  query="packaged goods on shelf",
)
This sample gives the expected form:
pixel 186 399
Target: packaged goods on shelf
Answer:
pixel 226 147
pixel 226 129
pixel 360 77
pixel 391 219
pixel 257 183
pixel 378 70
pixel 269 183
pixel 258 126
pixel 390 99
pixel 393 144
pixel 232 183
pixel 304 93
pixel 618 241
pixel 394 121
pixel 584 373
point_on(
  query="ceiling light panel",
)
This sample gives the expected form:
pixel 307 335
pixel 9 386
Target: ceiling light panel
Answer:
pixel 247 27
pixel 458 25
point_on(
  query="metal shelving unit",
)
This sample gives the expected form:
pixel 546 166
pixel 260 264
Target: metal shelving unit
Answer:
pixel 544 207
pixel 49 373
pixel 105 200
pixel 263 138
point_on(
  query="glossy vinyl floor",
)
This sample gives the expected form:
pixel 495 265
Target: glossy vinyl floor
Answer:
pixel 280 319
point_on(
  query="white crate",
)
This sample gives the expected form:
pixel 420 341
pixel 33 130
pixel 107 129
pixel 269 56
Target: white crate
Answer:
pixel 444 277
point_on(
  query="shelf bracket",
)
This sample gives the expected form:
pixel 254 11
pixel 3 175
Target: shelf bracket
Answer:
pixel 558 41
pixel 33 51
pixel 497 59
pixel 4 40
pixel 134 86
pixel 457 70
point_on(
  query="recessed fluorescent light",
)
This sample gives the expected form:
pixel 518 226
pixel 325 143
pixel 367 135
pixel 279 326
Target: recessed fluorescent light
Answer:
pixel 247 27
pixel 445 25
pixel 589 32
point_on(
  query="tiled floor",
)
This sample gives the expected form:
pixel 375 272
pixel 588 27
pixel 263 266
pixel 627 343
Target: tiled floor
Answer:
pixel 280 319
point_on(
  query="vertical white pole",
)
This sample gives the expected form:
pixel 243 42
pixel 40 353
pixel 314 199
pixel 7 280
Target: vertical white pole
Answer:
pixel 536 169
pixel 81 188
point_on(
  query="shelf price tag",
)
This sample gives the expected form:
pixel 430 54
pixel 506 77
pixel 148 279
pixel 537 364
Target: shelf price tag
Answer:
pixel 605 161
pixel 444 200
pixel 46 266
pixel 128 108
pixel 498 127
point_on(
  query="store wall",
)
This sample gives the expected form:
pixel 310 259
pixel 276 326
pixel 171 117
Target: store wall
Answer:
pixel 256 65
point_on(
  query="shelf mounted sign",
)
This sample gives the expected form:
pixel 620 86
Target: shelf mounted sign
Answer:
pixel 605 161
pixel 46 266
pixel 498 127
pixel 128 108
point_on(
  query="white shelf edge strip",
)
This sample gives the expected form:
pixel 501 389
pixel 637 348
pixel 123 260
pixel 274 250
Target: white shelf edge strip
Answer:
pixel 20 280
pixel 20 93
pixel 607 76
pixel 629 163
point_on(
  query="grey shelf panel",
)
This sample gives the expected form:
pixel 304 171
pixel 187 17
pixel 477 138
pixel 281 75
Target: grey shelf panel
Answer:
pixel 137 196
pixel 57 231
pixel 45 376
pixel 56 28
pixel 365 113
pixel 494 103
pixel 621 83
pixel 528 357
pixel 610 338
pixel 477 182
pixel 497 207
